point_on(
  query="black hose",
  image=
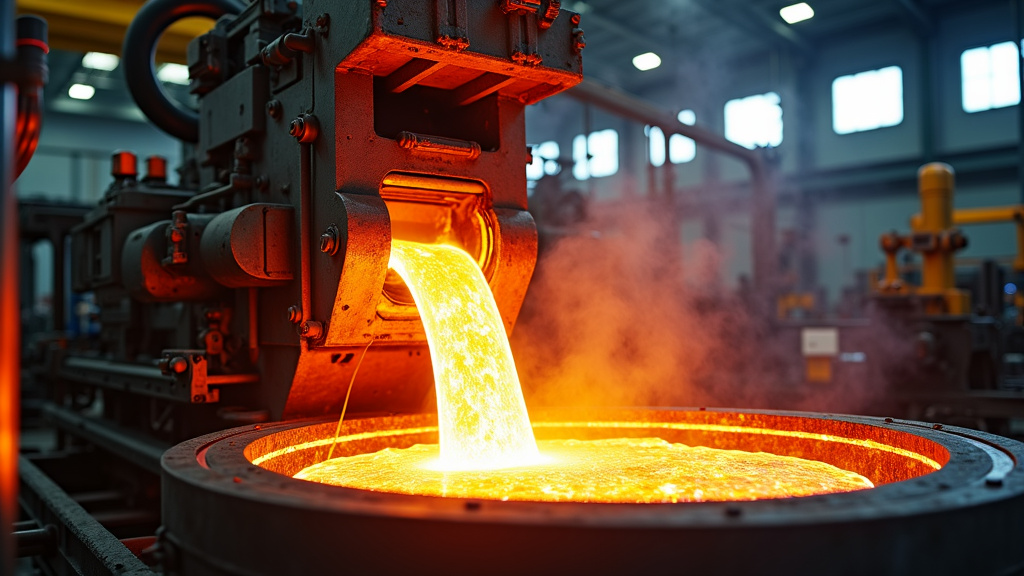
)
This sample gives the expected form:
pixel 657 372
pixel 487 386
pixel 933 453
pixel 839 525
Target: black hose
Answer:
pixel 139 50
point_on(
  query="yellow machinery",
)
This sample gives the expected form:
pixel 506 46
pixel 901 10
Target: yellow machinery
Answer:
pixel 936 235
pixel 936 238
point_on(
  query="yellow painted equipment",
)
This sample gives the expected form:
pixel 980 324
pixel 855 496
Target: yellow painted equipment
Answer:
pixel 936 238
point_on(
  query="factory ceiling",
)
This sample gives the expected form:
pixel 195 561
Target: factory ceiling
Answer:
pixel 684 33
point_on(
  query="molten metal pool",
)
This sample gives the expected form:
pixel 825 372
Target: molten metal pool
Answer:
pixel 632 470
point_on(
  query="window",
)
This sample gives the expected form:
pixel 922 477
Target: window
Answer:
pixel 545 161
pixel 603 149
pixel 680 148
pixel 868 100
pixel 754 121
pixel 990 77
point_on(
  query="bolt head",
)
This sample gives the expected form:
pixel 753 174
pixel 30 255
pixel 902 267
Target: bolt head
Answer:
pixel 274 109
pixel 311 329
pixel 294 314
pixel 297 128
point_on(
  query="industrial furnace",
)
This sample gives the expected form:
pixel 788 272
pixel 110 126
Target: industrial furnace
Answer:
pixel 244 309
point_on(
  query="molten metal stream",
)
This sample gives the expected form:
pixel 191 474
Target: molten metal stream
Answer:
pixel 487 449
pixel 482 419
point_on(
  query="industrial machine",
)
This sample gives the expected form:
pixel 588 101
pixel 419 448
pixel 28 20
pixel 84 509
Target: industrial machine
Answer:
pixel 960 367
pixel 249 292
pixel 258 290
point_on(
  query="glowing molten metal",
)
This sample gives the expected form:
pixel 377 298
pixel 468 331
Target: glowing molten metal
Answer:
pixel 487 448
pixel 481 414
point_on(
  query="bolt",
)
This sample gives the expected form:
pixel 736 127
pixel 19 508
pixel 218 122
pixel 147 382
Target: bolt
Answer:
pixel 274 109
pixel 575 19
pixel 305 128
pixel 579 42
pixel 323 24
pixel 178 365
pixel 937 427
pixel 311 329
pixel 329 241
pixel 888 420
pixel 294 314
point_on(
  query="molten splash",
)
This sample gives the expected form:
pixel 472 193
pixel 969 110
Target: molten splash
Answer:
pixel 487 449
pixel 620 470
pixel 481 414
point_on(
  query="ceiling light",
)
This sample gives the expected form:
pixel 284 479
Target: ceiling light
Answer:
pixel 81 91
pixel 647 61
pixel 173 74
pixel 100 61
pixel 797 13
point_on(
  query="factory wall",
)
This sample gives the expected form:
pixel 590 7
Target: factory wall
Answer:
pixel 934 127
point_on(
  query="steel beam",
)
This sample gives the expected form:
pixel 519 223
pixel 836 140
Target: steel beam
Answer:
pixel 758 23
pixel 84 546
pixel 916 15
pixel 128 444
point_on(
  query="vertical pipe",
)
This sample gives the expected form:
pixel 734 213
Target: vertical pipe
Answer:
pixel 306 228
pixel 935 183
pixel 10 328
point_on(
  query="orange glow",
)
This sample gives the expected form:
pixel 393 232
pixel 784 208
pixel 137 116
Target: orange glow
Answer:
pixel 829 438
pixel 618 470
pixel 481 414
pixel 487 448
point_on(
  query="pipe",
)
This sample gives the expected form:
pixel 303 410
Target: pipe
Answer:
pixel 36 541
pixel 140 48
pixel 762 181
pixel 305 229
pixel 32 49
pixel 10 347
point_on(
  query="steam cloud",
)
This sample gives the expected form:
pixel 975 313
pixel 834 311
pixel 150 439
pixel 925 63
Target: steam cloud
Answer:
pixel 615 316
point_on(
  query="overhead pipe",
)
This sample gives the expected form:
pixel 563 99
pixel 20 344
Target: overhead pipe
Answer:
pixel 762 172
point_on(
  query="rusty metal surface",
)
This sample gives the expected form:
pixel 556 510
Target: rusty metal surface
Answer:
pixel 968 517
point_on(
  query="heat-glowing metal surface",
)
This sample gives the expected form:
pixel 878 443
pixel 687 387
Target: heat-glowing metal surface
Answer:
pixel 622 470
pixel 481 414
